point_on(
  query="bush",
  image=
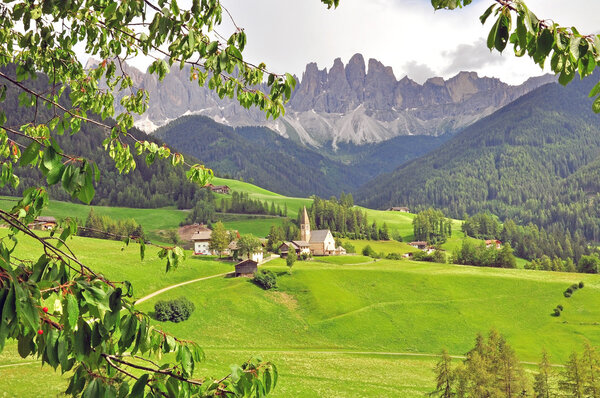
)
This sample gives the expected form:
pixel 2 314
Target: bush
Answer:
pixel 581 285
pixel 574 286
pixel 560 307
pixel 567 294
pixel 369 252
pixel 304 256
pixel 556 312
pixel 349 247
pixel 265 279
pixel 177 310
pixel 394 256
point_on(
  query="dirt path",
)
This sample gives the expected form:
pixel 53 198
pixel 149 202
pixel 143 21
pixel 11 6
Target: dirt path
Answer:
pixel 156 293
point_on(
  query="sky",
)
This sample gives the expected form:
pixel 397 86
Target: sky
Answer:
pixel 407 35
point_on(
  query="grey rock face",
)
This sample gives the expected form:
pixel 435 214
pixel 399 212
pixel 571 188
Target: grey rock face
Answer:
pixel 347 103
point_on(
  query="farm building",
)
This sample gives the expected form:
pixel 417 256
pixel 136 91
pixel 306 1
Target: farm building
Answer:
pixel 246 268
pixel 300 246
pixel 219 188
pixel 321 242
pixel 421 245
pixel 401 209
pixel 493 243
pixel 43 222
pixel 233 250
pixel 201 241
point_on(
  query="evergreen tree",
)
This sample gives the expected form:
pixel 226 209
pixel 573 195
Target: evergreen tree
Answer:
pixel 572 380
pixel 541 386
pixel 445 377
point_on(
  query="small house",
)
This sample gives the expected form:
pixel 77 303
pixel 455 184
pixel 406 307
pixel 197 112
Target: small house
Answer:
pixel 246 268
pixel 493 243
pixel 340 251
pixel 421 245
pixel 400 209
pixel 201 241
pixel 44 223
pixel 224 189
pixel 299 246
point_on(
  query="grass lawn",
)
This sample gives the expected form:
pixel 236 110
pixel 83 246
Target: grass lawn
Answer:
pixel 388 246
pixel 254 192
pixel 325 320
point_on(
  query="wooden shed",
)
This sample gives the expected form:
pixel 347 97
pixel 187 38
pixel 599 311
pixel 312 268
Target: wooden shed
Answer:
pixel 246 268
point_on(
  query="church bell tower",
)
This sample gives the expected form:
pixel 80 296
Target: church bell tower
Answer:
pixel 305 226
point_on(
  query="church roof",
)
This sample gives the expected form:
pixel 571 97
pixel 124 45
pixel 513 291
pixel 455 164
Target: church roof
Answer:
pixel 305 219
pixel 318 236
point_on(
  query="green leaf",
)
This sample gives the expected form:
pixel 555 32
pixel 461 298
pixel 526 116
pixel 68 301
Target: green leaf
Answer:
pixel 110 10
pixel 596 105
pixel 137 391
pixel 574 47
pixel 70 311
pixel 93 389
pixel 30 154
pixel 486 14
pixel 25 346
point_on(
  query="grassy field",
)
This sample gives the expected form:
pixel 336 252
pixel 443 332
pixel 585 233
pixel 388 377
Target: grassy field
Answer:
pixel 343 326
pixel 254 192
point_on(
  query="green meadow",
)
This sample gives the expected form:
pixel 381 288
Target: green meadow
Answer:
pixel 341 326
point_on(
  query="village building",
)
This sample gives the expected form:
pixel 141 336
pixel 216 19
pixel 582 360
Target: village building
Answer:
pixel 201 241
pixel 321 242
pixel 233 250
pixel 401 209
pixel 493 243
pixel 299 246
pixel 421 245
pixel 224 189
pixel 246 268
pixel 43 222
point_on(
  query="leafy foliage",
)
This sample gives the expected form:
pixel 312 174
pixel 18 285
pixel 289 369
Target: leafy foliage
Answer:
pixel 177 310
pixel 266 279
pixel 432 226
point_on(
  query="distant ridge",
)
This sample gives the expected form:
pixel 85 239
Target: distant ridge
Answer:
pixel 349 103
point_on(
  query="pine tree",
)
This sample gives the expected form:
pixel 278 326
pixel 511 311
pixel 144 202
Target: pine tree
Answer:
pixel 541 385
pixel 445 377
pixel 572 382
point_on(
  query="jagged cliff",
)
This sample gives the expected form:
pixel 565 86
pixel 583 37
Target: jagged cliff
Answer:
pixel 347 103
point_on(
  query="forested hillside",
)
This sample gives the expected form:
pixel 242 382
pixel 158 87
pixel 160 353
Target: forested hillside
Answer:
pixel 535 160
pixel 146 187
pixel 263 157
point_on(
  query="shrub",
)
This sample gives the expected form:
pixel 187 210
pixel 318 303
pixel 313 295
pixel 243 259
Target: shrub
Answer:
pixel 177 310
pixel 369 252
pixel 556 312
pixel 394 256
pixel 349 247
pixel 265 279
pixel 560 307
pixel 304 256
pixel 567 294
pixel 574 286
pixel 581 285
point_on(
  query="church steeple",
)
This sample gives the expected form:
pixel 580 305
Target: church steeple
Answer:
pixel 305 226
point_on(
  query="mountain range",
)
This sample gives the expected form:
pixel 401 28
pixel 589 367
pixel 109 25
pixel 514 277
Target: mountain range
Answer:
pixel 358 103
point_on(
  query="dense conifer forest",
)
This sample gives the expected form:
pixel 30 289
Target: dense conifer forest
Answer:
pixel 534 161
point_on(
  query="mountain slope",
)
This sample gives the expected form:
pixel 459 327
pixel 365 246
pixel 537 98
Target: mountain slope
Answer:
pixel 535 160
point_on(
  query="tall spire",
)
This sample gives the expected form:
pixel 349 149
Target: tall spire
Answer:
pixel 305 226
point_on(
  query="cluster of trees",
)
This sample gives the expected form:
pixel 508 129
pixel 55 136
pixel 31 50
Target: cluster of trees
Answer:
pixel 279 233
pixel 477 254
pixel 547 250
pixel 241 203
pixel 481 226
pixel 344 220
pixel 105 227
pixel 492 369
pixel 432 226
pixel 586 264
pixel 338 215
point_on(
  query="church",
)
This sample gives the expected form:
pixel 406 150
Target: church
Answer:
pixel 321 242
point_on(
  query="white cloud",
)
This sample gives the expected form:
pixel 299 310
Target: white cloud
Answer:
pixel 404 34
